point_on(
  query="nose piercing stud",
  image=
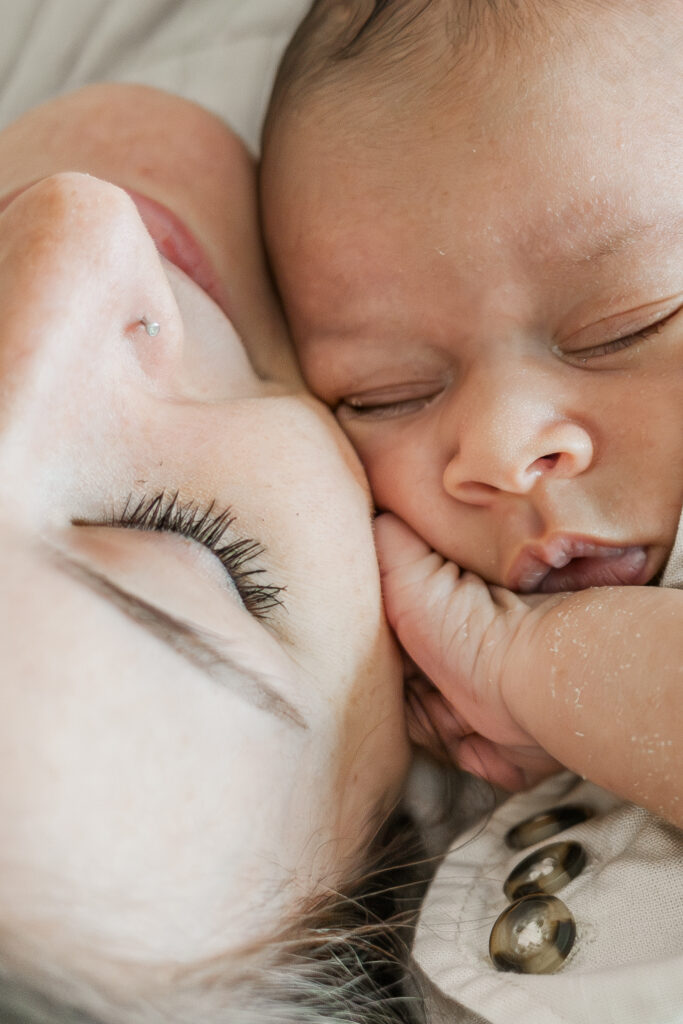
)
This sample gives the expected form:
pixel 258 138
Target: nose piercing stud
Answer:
pixel 151 326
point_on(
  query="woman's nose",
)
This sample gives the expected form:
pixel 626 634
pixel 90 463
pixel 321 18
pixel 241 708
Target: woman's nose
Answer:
pixel 78 272
pixel 511 437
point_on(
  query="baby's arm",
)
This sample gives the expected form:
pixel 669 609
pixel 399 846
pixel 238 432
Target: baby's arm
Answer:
pixel 592 680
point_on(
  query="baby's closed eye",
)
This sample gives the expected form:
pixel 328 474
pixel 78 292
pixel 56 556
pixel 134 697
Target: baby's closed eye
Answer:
pixel 391 400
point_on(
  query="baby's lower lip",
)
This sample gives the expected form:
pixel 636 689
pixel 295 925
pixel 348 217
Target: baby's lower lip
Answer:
pixel 623 567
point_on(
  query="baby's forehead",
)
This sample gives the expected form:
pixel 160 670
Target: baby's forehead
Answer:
pixel 526 158
pixel 544 100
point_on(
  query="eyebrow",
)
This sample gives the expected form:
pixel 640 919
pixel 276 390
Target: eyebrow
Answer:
pixel 604 243
pixel 201 648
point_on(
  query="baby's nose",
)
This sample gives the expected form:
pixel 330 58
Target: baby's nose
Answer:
pixel 510 444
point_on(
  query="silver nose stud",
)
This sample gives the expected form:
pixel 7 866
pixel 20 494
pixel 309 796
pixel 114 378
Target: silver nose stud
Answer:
pixel 151 326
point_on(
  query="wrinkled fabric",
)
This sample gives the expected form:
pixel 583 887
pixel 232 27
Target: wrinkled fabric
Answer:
pixel 673 571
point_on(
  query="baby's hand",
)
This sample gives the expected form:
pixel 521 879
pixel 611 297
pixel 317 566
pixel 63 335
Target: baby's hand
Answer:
pixel 461 634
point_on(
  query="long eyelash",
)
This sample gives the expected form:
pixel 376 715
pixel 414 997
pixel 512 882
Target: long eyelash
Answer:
pixel 632 339
pixel 166 513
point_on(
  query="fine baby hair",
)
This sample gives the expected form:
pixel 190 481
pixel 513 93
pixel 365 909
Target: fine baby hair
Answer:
pixel 400 43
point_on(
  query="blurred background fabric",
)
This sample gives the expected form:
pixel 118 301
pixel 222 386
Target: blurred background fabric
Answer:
pixel 221 53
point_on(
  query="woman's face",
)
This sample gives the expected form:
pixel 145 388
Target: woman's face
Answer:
pixel 187 750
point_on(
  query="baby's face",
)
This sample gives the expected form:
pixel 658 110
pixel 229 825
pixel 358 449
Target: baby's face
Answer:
pixel 487 286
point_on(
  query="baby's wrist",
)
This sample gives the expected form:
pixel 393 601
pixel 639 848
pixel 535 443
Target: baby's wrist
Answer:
pixel 522 663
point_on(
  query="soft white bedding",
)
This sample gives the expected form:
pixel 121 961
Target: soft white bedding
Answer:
pixel 220 53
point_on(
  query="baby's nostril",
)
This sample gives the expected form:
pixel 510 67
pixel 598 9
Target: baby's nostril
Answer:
pixel 549 461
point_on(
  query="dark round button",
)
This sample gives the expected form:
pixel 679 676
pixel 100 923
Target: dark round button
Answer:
pixel 546 870
pixel 532 936
pixel 546 824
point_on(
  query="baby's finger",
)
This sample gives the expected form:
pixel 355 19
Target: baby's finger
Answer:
pixel 432 724
pixel 412 573
pixel 418 585
pixel 398 546
pixel 487 760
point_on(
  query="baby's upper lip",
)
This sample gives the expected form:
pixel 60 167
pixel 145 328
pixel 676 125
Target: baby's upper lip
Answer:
pixel 538 560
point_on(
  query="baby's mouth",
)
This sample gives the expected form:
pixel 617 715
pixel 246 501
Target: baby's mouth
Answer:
pixel 566 563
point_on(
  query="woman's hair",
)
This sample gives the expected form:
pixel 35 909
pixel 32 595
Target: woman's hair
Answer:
pixel 345 959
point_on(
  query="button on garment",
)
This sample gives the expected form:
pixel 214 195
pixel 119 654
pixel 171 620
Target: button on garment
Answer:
pixel 626 964
pixel 532 936
pixel 546 824
pixel 547 870
pixel 535 934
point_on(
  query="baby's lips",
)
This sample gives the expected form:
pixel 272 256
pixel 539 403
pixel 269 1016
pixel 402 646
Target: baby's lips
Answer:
pixel 567 563
pixel 625 567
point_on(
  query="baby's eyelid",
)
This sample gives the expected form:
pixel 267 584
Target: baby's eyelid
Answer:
pixel 395 394
pixel 620 340
pixel 379 411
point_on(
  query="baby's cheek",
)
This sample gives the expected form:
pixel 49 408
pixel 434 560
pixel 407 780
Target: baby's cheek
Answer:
pixel 383 466
pixel 406 479
pixel 399 483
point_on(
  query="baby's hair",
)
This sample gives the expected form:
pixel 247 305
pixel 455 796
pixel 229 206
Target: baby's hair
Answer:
pixel 407 44
pixel 334 33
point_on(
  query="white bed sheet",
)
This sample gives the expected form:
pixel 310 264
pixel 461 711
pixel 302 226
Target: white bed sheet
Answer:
pixel 220 53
